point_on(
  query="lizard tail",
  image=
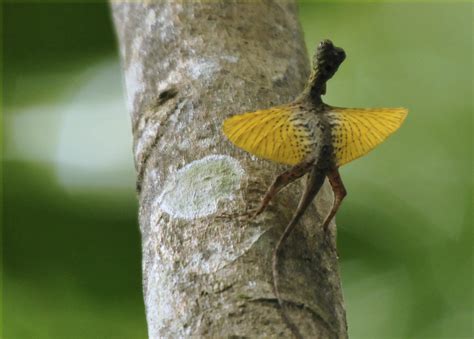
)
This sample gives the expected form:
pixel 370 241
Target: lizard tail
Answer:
pixel 313 185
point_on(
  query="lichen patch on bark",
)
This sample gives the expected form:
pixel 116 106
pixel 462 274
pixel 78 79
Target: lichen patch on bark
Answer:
pixel 195 190
pixel 194 69
pixel 134 83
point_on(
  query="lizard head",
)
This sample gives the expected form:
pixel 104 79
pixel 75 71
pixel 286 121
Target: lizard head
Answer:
pixel 327 59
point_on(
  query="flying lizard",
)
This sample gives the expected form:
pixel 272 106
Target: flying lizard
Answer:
pixel 315 139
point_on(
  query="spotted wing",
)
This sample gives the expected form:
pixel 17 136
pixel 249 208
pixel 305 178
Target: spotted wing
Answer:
pixel 275 134
pixel 357 131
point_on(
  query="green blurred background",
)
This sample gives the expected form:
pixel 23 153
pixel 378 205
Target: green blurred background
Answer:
pixel 71 246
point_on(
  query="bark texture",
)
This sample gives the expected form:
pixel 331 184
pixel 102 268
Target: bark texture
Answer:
pixel 206 263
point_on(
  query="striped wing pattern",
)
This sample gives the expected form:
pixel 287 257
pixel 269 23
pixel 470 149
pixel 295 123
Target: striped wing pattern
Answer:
pixel 274 134
pixel 357 131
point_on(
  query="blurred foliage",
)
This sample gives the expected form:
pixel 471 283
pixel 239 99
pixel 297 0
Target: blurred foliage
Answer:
pixel 405 229
pixel 71 255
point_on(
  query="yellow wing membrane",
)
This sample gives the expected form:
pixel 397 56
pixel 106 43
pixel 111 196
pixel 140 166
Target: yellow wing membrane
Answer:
pixel 357 131
pixel 273 134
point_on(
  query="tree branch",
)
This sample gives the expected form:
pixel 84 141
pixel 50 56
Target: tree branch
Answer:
pixel 206 263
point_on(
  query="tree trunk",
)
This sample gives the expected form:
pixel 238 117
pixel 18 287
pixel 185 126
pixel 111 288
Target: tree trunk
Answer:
pixel 206 262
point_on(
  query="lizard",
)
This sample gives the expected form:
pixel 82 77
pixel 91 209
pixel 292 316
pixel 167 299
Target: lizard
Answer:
pixel 315 139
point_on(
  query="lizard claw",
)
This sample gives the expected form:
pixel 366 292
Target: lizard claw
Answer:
pixel 256 213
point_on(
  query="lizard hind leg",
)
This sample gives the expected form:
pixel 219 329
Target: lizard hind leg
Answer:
pixel 282 181
pixel 339 193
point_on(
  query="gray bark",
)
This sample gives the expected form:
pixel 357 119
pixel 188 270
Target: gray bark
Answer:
pixel 206 263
